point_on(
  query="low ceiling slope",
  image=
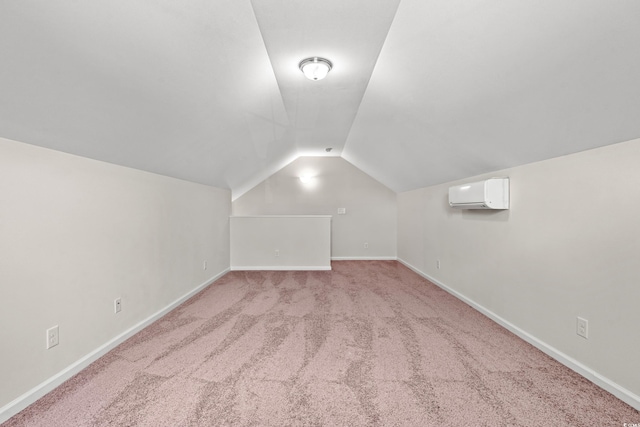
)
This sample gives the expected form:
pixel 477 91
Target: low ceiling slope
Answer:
pixel 468 87
pixel 422 92
pixel 183 89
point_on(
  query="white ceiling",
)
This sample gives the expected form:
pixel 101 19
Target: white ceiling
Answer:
pixel 422 92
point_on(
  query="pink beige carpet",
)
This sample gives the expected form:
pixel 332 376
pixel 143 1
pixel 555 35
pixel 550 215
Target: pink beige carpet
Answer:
pixel 368 344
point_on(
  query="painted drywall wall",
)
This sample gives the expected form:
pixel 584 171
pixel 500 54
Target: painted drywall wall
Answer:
pixel 568 247
pixel 77 234
pixel 281 242
pixel 371 208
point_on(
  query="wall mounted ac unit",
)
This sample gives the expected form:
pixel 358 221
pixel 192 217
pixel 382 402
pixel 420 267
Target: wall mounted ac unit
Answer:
pixel 491 193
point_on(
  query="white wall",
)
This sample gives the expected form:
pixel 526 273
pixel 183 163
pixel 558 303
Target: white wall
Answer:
pixel 569 246
pixel 371 208
pixel 74 235
pixel 284 242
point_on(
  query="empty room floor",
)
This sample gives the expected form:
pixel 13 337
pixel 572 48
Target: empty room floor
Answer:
pixel 369 343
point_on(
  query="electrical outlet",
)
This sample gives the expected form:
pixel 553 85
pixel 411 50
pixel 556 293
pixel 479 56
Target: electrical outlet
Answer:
pixel 342 211
pixel 277 252
pixel 582 327
pixel 204 265
pixel 366 245
pixel 438 264
pixel 53 337
pixel 117 305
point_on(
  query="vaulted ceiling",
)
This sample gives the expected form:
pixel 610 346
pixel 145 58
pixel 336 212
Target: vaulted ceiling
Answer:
pixel 422 91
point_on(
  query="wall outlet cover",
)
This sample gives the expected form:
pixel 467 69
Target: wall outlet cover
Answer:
pixel 53 337
pixel 582 327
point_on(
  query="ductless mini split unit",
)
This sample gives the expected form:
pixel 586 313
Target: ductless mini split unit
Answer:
pixel 491 193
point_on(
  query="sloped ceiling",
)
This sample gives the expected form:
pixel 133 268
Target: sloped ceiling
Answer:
pixel 422 92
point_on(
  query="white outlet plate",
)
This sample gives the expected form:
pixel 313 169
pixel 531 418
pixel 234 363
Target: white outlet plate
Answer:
pixel 582 327
pixel 366 245
pixel 117 305
pixel 204 265
pixel 438 264
pixel 342 211
pixel 53 337
pixel 277 252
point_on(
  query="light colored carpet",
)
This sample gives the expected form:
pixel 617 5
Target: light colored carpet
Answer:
pixel 368 344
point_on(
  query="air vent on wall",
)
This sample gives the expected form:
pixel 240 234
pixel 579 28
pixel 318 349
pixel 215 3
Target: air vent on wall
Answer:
pixel 491 193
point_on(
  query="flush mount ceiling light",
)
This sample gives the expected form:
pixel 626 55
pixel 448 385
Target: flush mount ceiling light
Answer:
pixel 315 68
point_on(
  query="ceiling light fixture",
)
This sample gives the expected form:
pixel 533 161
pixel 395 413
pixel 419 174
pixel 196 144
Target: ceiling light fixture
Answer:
pixel 306 179
pixel 315 68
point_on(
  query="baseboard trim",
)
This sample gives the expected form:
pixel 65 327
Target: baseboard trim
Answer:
pixel 281 268
pixel 363 258
pixel 31 396
pixel 617 390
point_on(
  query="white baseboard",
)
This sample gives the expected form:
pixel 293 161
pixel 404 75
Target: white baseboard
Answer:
pixel 31 396
pixel 281 268
pixel 309 268
pixel 620 392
